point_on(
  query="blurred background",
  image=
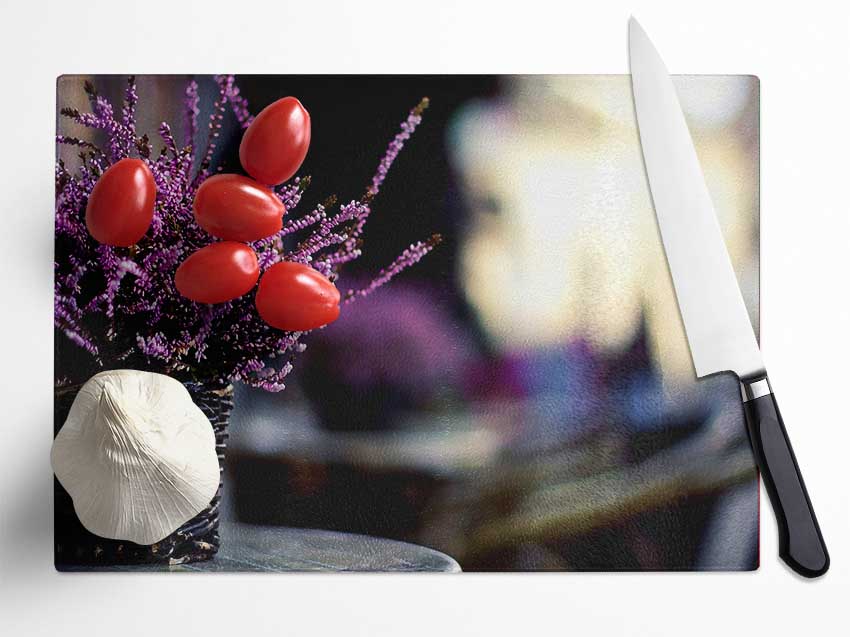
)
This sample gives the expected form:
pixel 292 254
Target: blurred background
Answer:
pixel 522 399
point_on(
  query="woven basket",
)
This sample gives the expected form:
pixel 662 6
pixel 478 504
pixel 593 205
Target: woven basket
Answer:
pixel 197 540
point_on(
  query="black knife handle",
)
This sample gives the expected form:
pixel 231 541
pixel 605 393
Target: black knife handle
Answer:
pixel 801 544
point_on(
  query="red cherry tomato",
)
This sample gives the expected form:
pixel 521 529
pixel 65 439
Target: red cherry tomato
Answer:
pixel 217 273
pixel 294 297
pixel 276 142
pixel 120 208
pixel 237 208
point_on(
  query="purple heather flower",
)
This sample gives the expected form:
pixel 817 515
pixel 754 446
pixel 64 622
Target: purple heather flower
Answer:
pixel 120 304
pixel 191 112
pixel 238 104
pixel 407 127
pixel 406 259
pixel 290 193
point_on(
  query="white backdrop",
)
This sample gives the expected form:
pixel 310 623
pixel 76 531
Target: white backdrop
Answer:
pixel 800 54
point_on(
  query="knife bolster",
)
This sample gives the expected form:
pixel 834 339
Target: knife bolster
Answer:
pixel 752 389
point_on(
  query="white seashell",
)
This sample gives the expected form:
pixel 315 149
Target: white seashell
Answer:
pixel 136 455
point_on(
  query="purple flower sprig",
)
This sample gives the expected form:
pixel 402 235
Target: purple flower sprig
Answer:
pixel 408 126
pixel 409 257
pixel 120 304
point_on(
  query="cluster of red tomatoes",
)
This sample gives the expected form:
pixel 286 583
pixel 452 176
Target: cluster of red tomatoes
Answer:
pixel 237 210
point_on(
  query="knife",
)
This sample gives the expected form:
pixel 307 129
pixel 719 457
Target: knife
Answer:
pixel 717 325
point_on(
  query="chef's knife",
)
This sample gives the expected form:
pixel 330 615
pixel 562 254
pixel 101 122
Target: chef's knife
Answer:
pixel 717 325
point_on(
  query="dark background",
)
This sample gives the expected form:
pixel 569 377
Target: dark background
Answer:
pixel 350 136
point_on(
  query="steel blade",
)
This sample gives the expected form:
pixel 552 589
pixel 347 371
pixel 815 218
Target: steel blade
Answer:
pixel 716 322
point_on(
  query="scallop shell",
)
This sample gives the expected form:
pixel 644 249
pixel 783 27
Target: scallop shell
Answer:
pixel 136 455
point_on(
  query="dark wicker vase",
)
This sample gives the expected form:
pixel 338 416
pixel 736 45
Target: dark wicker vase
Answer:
pixel 197 540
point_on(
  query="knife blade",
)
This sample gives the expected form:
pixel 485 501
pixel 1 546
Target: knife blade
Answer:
pixel 717 325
